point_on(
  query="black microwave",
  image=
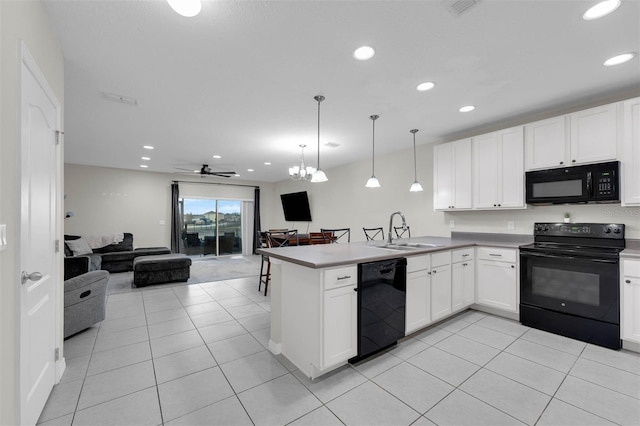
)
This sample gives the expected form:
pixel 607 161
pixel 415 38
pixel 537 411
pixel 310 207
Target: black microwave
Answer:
pixel 597 183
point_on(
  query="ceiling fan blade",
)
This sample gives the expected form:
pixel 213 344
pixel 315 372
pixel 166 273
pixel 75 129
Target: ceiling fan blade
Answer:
pixel 187 170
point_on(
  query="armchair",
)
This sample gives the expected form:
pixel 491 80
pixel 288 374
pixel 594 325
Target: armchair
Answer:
pixel 85 298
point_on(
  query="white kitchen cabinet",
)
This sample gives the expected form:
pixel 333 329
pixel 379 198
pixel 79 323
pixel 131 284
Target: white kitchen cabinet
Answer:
pixel 440 285
pixel 418 307
pixel 452 175
pixel 594 134
pixel 339 325
pixel 319 317
pixel 630 300
pixel 587 136
pixel 497 278
pixel 547 143
pixel 630 158
pixel 498 160
pixel 462 279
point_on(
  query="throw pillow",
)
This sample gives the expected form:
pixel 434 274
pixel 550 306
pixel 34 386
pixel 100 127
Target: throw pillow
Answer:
pixel 79 246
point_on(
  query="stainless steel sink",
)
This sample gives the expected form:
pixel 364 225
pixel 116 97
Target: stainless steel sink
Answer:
pixel 407 246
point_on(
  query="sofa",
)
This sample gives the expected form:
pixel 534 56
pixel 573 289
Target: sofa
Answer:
pixel 84 301
pixel 112 258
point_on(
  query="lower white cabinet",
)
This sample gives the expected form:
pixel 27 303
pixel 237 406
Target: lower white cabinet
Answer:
pixel 319 317
pixel 418 306
pixel 497 278
pixel 463 292
pixel 440 285
pixel 630 300
pixel 339 325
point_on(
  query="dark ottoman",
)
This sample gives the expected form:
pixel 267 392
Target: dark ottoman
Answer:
pixel 164 268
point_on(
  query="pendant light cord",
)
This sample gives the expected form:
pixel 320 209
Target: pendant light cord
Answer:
pixel 319 98
pixel 373 145
pixel 415 167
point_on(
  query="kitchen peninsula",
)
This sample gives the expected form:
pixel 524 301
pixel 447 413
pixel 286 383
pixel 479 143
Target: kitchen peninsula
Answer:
pixel 314 290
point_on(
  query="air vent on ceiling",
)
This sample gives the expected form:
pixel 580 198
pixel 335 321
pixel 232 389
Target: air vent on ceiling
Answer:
pixel 112 97
pixel 458 7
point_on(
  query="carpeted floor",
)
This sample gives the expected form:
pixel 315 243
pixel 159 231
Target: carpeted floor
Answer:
pixel 203 269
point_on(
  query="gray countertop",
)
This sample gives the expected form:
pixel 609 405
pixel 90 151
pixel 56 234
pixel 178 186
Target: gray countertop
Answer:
pixel 632 251
pixel 331 255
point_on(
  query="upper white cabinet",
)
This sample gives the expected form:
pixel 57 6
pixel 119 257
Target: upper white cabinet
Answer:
pixel 498 160
pixel 630 158
pixel 594 135
pixel 452 175
pixel 546 143
pixel 587 136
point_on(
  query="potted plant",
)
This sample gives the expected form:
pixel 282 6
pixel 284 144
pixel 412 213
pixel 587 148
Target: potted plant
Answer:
pixel 567 217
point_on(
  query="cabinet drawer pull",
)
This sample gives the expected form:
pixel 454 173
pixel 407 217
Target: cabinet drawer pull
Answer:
pixel 465 255
pixel 495 254
pixel 344 278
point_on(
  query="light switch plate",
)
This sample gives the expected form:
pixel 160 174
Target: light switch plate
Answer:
pixel 452 224
pixel 3 237
pixel 161 222
pixel 511 224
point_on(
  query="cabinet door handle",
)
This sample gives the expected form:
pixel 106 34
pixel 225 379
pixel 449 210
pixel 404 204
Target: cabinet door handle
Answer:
pixel 513 266
pixel 627 281
pixel 573 161
pixel 434 271
pixel 344 278
pixel 429 272
pixel 561 163
pixel 355 289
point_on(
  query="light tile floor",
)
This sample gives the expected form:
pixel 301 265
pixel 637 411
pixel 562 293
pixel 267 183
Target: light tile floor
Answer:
pixel 196 355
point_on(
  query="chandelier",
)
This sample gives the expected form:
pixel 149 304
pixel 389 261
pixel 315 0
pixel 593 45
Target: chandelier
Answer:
pixel 301 172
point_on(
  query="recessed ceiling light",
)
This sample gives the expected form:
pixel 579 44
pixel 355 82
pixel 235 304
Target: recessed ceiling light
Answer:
pixel 267 163
pixel 144 166
pixel 237 175
pixel 145 158
pixel 249 170
pixel 620 59
pixel 427 85
pixel 147 147
pixel 601 9
pixel 217 156
pixel 186 8
pixel 363 53
pixel 467 108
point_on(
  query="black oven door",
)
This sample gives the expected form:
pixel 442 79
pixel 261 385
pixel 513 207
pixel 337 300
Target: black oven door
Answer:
pixel 582 286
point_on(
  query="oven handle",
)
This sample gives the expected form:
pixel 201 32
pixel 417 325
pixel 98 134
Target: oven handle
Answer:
pixel 611 261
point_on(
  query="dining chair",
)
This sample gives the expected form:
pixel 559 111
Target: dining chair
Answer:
pixel 372 233
pixel 319 238
pixel 337 233
pixel 402 232
pixel 283 238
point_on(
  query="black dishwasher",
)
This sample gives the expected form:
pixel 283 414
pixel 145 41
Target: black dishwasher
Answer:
pixel 382 290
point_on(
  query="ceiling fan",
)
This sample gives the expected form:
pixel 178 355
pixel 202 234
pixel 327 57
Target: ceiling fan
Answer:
pixel 205 170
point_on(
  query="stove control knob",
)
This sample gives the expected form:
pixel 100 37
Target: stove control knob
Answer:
pixel 546 228
pixel 607 230
pixel 617 231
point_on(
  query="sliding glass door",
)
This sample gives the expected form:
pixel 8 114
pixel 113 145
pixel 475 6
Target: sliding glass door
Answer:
pixel 211 226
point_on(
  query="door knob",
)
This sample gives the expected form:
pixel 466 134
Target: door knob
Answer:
pixel 34 276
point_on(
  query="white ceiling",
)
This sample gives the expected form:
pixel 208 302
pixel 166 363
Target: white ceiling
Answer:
pixel 239 79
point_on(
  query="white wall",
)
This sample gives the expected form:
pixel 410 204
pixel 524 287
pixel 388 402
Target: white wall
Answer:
pixel 343 201
pixel 106 200
pixel 25 21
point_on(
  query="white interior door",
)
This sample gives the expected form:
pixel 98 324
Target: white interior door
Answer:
pixel 38 206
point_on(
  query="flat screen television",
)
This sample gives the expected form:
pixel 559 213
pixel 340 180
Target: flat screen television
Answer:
pixel 296 207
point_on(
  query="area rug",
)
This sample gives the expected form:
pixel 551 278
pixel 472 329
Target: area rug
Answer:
pixel 203 269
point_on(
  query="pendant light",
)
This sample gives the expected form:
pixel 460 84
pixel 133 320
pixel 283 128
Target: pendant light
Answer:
pixel 319 175
pixel 415 186
pixel 373 180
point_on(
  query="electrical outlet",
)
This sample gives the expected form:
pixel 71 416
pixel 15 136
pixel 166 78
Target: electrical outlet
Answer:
pixel 3 237
pixel 162 222
pixel 452 224
pixel 511 224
